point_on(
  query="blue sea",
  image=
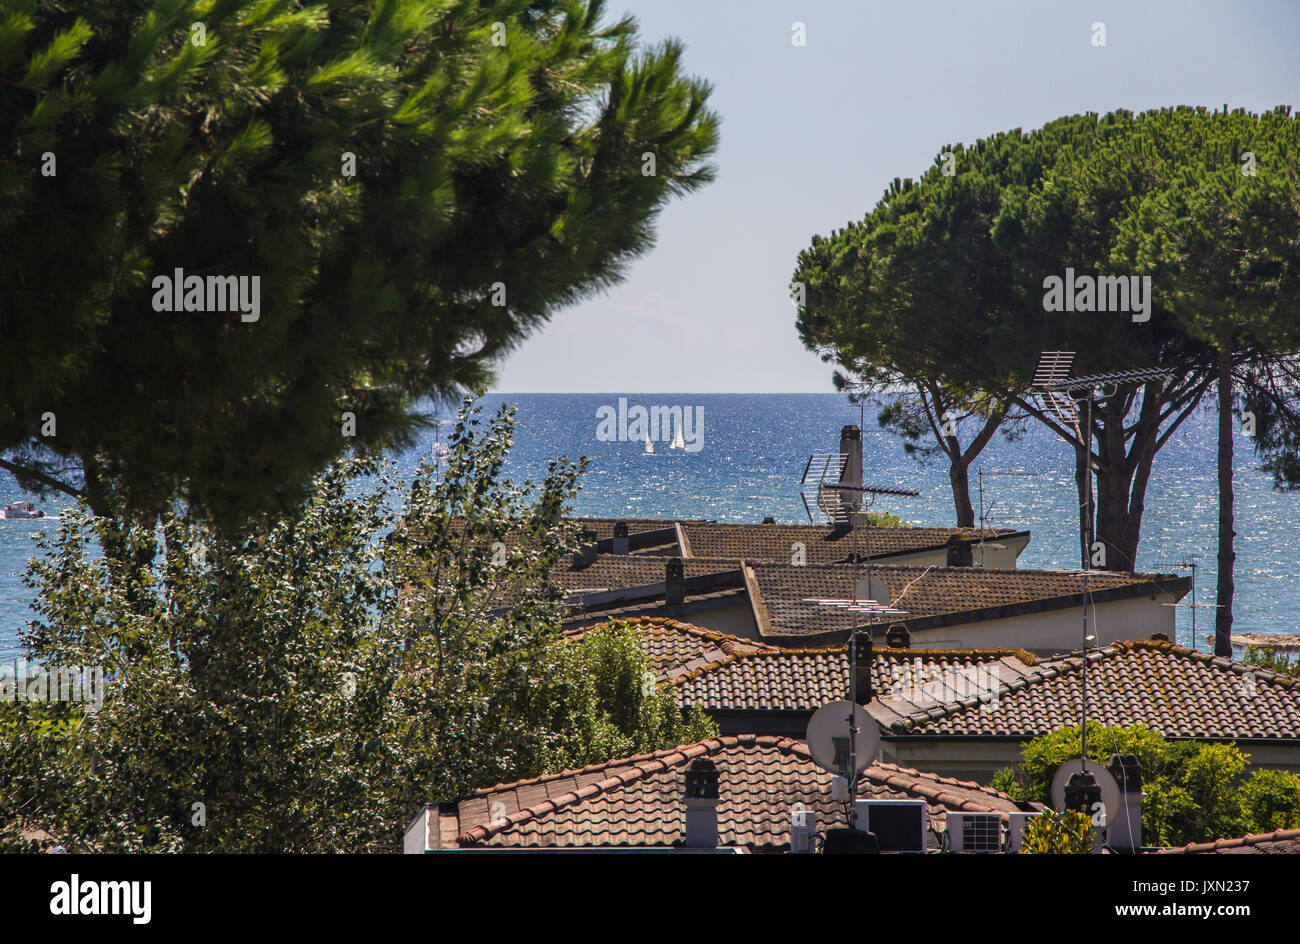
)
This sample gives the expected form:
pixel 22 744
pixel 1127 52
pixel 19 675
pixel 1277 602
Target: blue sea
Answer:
pixel 754 450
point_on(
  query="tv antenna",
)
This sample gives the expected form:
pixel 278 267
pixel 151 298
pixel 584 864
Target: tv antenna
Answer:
pixel 986 518
pixel 1189 562
pixel 1061 395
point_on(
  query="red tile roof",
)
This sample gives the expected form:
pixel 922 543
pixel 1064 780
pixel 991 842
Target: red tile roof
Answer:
pixel 638 801
pixel 822 544
pixel 806 679
pixel 1283 841
pixel 1180 693
pixel 676 648
pixel 931 596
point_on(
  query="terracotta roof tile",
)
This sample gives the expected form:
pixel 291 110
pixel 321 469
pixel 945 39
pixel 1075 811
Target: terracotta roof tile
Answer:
pixel 761 779
pixel 1175 691
pixel 675 648
pixel 933 596
pixel 1282 841
pixel 822 544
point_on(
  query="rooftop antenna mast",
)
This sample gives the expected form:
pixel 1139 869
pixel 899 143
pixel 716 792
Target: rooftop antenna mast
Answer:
pixel 984 520
pixel 1061 394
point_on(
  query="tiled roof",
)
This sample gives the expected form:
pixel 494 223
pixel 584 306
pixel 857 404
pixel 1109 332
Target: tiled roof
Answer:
pixel 638 801
pixel 1180 693
pixel 675 648
pixel 1283 841
pixel 613 572
pixel 805 679
pixel 821 544
pixel 932 596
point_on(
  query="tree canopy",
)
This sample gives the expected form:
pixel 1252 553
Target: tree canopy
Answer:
pixel 417 184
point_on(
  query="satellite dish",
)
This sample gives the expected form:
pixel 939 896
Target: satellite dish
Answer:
pixel 1109 788
pixel 869 588
pixel 828 737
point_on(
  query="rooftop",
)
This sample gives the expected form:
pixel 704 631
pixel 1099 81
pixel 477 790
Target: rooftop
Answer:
pixel 638 801
pixel 676 648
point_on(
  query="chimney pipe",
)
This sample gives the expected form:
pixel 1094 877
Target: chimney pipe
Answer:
pixel 851 449
pixel 702 805
pixel 861 644
pixel 960 553
pixel 620 537
pixel 585 555
pixel 897 637
pixel 675 582
pixel 1125 832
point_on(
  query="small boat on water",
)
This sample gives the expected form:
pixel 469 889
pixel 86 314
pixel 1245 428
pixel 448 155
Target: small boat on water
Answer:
pixel 649 446
pixel 678 442
pixel 22 509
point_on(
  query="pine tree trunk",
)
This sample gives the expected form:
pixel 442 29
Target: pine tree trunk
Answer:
pixel 1227 554
pixel 959 476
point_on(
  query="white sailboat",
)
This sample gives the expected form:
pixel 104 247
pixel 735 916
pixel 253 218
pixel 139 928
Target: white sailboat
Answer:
pixel 649 446
pixel 678 442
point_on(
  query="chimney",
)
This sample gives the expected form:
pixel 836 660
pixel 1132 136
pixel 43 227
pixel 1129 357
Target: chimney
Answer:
pixel 851 449
pixel 702 805
pixel 861 644
pixel 769 520
pixel 1083 795
pixel 898 637
pixel 585 555
pixel 1125 832
pixel 620 537
pixel 803 831
pixel 675 582
pixel 959 553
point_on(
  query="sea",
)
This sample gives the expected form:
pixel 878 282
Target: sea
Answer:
pixel 753 449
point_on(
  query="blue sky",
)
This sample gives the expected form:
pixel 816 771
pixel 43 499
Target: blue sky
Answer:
pixel 812 135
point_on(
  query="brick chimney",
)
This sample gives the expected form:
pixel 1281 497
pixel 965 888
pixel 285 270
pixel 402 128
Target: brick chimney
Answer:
pixel 585 555
pixel 861 643
pixel 702 804
pixel 1125 832
pixel 620 537
pixel 675 582
pixel 959 553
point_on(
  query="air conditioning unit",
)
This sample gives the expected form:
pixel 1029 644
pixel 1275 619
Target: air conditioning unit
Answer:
pixel 899 825
pixel 974 832
pixel 1016 830
pixel 803 831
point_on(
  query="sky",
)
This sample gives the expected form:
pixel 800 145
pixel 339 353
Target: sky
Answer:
pixel 811 136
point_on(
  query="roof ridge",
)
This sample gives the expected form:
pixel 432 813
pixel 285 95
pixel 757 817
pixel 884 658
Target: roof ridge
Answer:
pixel 1250 839
pixel 1024 656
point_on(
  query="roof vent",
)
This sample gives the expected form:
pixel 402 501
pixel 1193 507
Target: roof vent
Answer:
pixel 585 555
pixel 675 582
pixel 959 553
pixel 862 693
pixel 702 805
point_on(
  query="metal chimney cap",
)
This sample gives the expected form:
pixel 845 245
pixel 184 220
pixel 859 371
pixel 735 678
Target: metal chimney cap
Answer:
pixel 702 780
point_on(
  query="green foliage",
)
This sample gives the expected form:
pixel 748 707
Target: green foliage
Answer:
pixel 1192 792
pixel 1270 799
pixel 1274 660
pixel 477 165
pixel 610 705
pixel 1053 833
pixel 311 685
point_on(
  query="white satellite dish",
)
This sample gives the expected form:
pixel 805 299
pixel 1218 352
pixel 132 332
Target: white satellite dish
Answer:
pixel 828 737
pixel 869 588
pixel 1109 788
